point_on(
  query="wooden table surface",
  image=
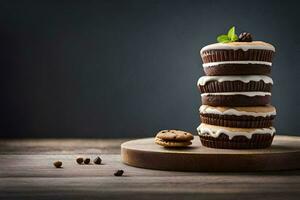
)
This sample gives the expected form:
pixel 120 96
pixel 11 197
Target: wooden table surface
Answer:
pixel 26 172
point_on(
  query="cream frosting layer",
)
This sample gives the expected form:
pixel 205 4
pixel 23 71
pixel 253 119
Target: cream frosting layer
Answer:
pixel 246 79
pixel 215 131
pixel 255 111
pixel 245 46
pixel 249 94
pixel 241 62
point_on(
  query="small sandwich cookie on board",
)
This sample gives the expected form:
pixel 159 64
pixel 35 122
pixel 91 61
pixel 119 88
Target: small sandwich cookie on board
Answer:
pixel 173 138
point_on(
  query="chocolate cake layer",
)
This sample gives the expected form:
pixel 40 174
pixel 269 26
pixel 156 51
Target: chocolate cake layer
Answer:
pixel 235 100
pixel 220 55
pixel 237 69
pixel 235 86
pixel 257 141
pixel 237 121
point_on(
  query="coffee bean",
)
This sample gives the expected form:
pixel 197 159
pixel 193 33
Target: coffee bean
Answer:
pixel 57 164
pixel 79 160
pixel 119 172
pixel 245 37
pixel 97 160
pixel 87 161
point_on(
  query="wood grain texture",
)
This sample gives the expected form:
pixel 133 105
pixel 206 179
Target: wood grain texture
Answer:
pixel 60 146
pixel 284 154
pixel 26 172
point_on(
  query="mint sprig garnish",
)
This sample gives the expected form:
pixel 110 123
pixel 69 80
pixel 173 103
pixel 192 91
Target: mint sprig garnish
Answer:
pixel 230 37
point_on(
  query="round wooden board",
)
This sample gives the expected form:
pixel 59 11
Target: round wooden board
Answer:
pixel 284 154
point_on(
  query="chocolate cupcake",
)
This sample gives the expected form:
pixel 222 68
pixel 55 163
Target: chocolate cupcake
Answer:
pixel 235 138
pixel 237 58
pixel 239 117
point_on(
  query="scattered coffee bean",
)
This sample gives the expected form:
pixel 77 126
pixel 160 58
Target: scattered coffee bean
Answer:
pixel 87 161
pixel 97 160
pixel 79 160
pixel 57 164
pixel 119 172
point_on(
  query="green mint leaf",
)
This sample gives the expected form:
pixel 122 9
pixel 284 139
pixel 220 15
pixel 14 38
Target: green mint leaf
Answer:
pixel 223 39
pixel 235 38
pixel 231 33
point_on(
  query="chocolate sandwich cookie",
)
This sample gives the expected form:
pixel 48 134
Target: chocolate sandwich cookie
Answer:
pixel 173 138
pixel 237 58
pixel 233 99
pixel 235 138
pixel 239 117
pixel 211 84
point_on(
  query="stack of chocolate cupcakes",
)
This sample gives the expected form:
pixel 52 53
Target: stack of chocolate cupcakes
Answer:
pixel 236 93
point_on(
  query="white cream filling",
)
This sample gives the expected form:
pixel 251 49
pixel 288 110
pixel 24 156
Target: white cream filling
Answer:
pixel 205 109
pixel 249 94
pixel 246 79
pixel 215 131
pixel 236 62
pixel 245 46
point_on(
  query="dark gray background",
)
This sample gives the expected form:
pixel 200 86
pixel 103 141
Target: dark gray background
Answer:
pixel 129 68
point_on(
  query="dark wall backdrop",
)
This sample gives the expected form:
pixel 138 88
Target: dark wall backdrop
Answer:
pixel 129 68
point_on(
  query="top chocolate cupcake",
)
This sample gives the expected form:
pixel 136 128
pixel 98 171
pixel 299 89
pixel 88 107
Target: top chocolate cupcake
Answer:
pixel 235 55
